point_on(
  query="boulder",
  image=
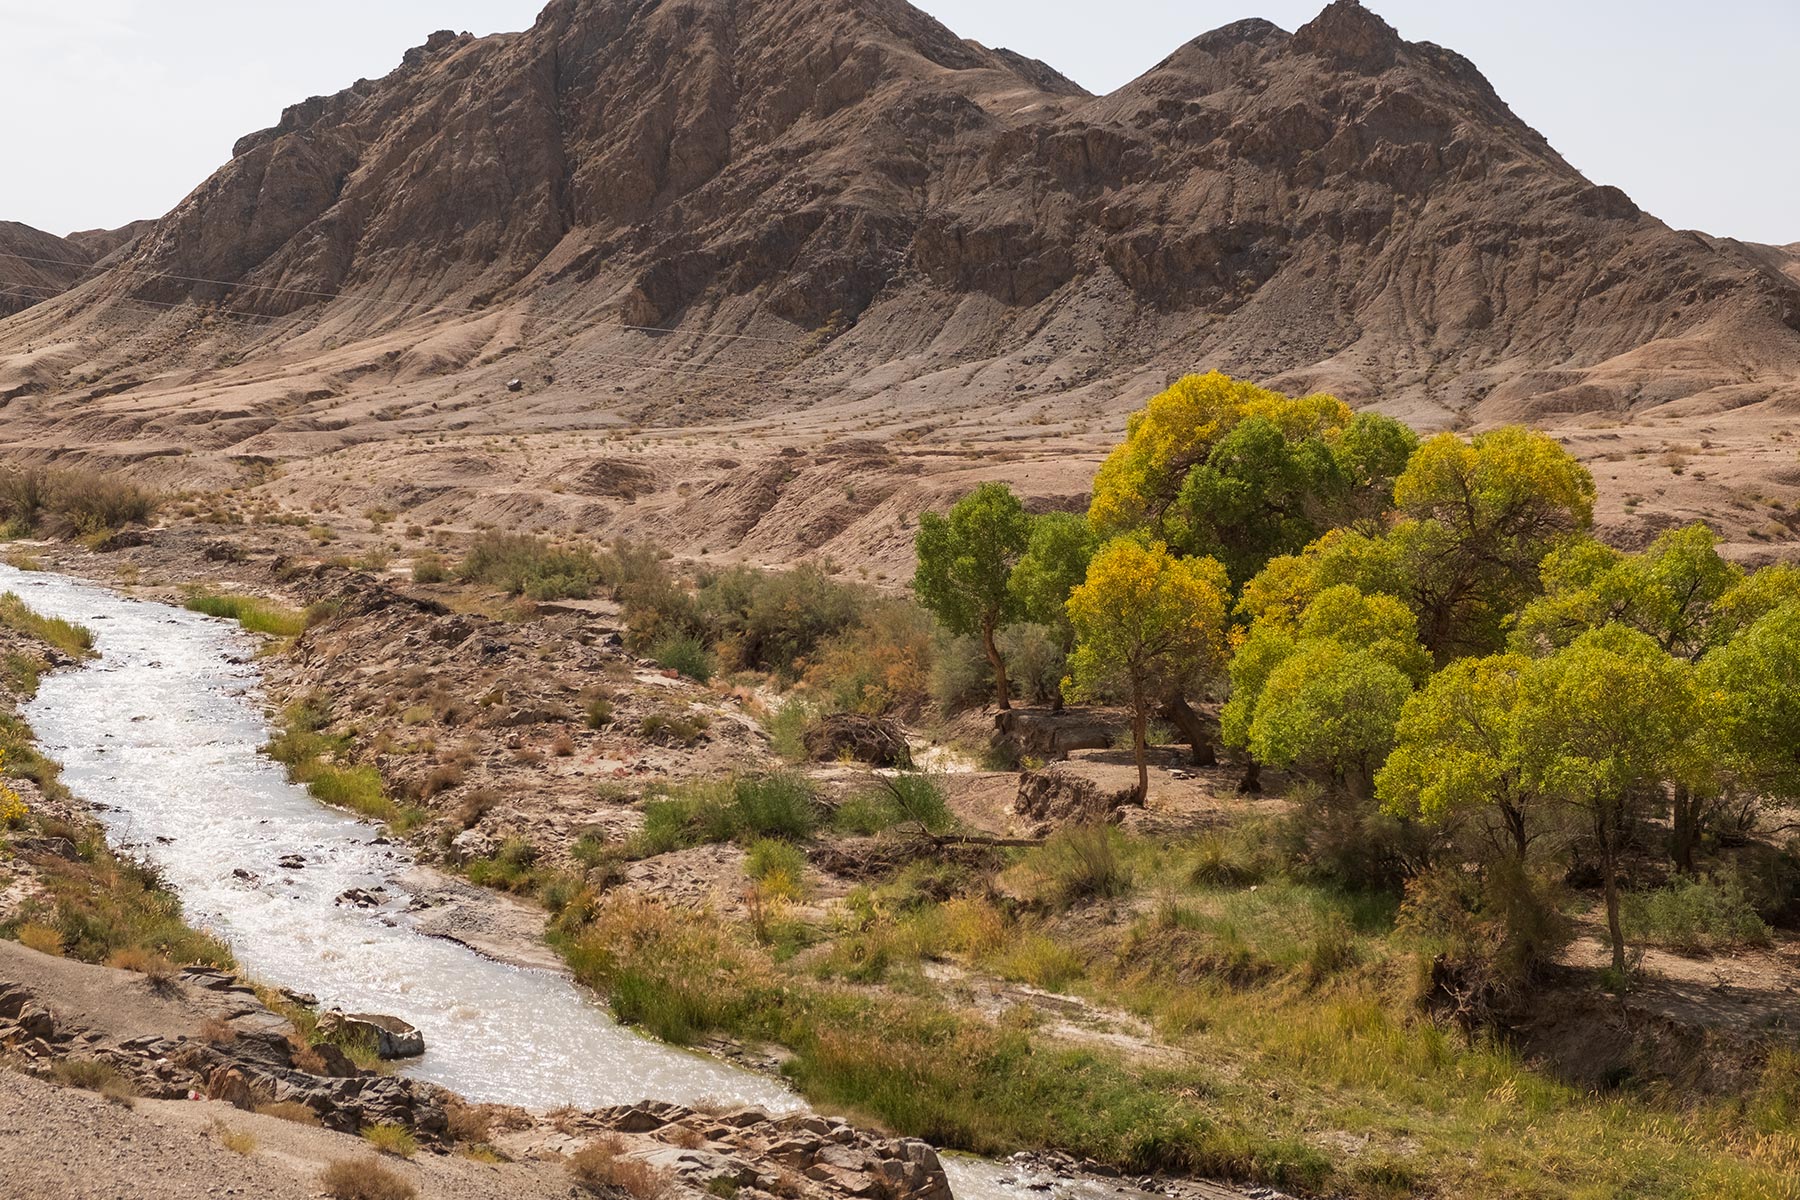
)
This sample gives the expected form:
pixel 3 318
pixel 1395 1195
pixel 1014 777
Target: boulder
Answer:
pixel 392 1037
pixel 874 740
pixel 1075 793
pixel 1046 735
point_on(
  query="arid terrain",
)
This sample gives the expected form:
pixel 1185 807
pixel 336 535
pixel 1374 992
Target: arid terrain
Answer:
pixel 762 279
pixel 464 390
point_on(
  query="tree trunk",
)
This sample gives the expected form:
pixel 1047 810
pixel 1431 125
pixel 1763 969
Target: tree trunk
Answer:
pixel 1140 720
pixel 1685 820
pixel 1515 825
pixel 1251 783
pixel 1609 866
pixel 1193 729
pixel 1002 689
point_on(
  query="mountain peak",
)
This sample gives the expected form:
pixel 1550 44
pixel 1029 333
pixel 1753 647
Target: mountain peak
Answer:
pixel 1350 34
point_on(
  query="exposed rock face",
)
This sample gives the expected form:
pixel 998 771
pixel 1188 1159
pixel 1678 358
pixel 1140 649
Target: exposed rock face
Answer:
pixel 1336 206
pixel 1075 793
pixel 391 1037
pixel 35 266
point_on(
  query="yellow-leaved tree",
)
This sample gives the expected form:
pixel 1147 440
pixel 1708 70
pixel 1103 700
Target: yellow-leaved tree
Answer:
pixel 1147 625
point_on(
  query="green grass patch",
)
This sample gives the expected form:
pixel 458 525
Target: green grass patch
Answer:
pixel 781 805
pixel 252 612
pixel 70 638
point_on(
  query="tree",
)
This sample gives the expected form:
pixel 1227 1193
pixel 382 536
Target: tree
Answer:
pixel 1753 685
pixel 1477 518
pixel 966 562
pixel 1173 433
pixel 1264 491
pixel 1147 624
pixel 1323 690
pixel 1456 751
pixel 1054 564
pixel 1598 726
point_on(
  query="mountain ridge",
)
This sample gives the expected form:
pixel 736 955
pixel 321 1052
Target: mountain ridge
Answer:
pixel 739 214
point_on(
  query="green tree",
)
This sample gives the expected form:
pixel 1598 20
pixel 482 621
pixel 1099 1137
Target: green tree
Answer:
pixel 966 561
pixel 1322 690
pixel 1477 519
pixel 1054 564
pixel 1262 493
pixel 1147 624
pixel 1456 752
pixel 1752 684
pixel 1601 724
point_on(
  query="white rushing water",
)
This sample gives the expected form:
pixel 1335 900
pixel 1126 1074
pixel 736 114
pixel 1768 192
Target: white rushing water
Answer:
pixel 165 730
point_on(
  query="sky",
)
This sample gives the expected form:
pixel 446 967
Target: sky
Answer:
pixel 113 110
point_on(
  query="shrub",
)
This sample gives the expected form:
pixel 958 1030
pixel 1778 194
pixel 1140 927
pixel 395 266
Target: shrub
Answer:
pixel 291 1111
pixel 1080 863
pixel 599 712
pixel 779 866
pixel 1695 915
pixel 1035 661
pixel 363 1179
pixel 882 665
pixel 685 656
pixel 90 1074
pixel 391 1139
pixel 430 567
pixel 686 730
pixel 238 1141
pixel 41 938
pixel 72 502
pixel 773 620
pixel 960 675
pixel 787 726
pixel 529 566
pixel 599 1167
pixel 780 805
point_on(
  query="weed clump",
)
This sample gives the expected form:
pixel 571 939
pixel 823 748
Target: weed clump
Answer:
pixel 366 1179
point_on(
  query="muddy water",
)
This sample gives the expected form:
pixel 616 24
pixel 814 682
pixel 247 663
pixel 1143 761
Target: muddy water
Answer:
pixel 162 734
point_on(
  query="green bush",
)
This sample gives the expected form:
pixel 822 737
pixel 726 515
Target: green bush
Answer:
pixel 1080 863
pixel 1695 915
pixel 770 806
pixel 1035 661
pixel 685 656
pixel 960 675
pixel 774 620
pixel 530 566
pixel 430 567
pixel 908 798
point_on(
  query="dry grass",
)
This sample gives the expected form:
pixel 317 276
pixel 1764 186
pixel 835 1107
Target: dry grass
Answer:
pixel 364 1179
pixel 90 1074
pixel 238 1141
pixel 291 1111
pixel 42 938
pixel 154 967
pixel 217 1032
pixel 391 1139
pixel 599 1166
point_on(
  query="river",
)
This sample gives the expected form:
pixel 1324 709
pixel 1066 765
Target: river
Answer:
pixel 162 734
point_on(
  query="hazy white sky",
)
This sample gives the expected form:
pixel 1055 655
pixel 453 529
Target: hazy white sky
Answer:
pixel 111 110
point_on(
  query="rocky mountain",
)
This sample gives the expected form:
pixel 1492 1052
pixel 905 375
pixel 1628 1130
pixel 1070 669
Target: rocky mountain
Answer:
pixel 35 266
pixel 775 217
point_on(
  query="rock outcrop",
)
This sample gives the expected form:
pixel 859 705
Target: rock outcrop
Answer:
pixel 1075 793
pixel 807 190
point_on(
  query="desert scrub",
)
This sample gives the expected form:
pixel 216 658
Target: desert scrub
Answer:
pixel 683 729
pixel 351 1179
pixel 253 613
pixel 105 907
pixel 523 565
pixel 72 639
pixel 65 502
pixel 780 805
pixel 391 1139
pixel 1694 916
pixel 685 656
pixel 910 799
pixel 779 868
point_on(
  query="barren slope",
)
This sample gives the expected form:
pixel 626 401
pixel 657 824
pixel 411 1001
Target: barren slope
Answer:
pixel 698 233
